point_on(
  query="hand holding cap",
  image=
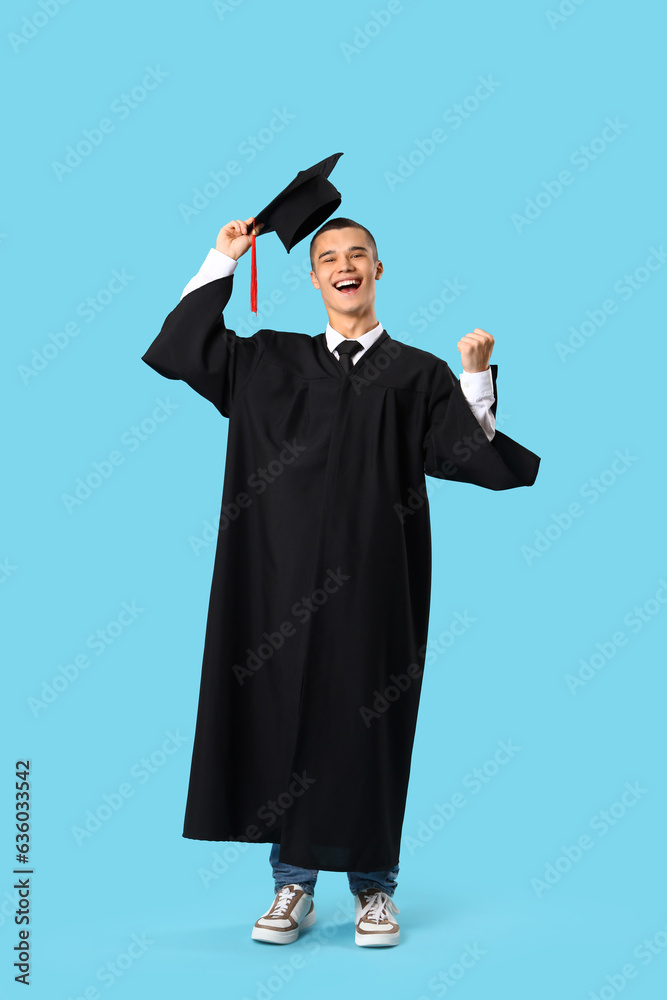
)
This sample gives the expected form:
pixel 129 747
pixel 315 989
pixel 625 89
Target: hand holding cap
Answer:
pixel 296 212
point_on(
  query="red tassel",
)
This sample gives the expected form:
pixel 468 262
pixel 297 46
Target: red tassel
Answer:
pixel 253 274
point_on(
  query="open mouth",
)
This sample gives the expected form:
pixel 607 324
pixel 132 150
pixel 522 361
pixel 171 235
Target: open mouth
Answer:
pixel 348 286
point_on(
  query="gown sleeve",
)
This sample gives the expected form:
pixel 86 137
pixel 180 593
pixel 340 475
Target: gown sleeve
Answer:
pixel 456 447
pixel 194 345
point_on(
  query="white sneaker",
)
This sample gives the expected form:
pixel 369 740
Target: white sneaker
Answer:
pixel 373 925
pixel 292 909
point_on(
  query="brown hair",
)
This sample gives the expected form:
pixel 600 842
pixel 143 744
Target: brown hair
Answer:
pixel 341 223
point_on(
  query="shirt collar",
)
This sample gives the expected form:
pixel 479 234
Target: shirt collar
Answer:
pixel 333 337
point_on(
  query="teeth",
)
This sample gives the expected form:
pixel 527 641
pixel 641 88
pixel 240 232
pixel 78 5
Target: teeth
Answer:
pixel 344 284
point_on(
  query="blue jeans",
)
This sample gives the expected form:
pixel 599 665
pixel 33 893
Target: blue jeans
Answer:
pixel 285 874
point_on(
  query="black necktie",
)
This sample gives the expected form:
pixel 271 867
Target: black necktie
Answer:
pixel 346 349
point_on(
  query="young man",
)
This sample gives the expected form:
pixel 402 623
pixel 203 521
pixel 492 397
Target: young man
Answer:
pixel 319 607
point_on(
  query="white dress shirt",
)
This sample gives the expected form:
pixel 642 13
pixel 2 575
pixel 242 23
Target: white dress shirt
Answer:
pixel 477 387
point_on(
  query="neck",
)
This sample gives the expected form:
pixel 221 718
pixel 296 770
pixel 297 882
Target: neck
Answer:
pixel 351 325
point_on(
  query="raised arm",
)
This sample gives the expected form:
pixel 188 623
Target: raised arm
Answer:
pixel 457 448
pixel 194 344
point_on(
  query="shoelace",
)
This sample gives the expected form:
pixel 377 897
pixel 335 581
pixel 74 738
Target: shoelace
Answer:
pixel 285 895
pixel 377 907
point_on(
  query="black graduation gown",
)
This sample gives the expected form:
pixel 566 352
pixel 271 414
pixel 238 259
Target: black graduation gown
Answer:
pixel 319 604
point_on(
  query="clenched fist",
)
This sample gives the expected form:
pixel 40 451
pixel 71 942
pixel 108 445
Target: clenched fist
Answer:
pixel 475 350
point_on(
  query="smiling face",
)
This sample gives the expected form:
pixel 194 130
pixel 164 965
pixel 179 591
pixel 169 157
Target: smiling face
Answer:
pixel 345 272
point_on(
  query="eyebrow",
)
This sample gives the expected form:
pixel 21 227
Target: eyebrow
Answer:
pixel 327 252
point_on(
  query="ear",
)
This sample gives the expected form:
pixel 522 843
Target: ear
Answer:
pixel 314 280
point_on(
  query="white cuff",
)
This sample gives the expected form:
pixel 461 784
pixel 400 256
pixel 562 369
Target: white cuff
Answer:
pixel 216 265
pixel 477 385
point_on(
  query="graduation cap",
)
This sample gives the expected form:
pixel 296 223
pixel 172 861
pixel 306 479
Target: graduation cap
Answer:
pixel 297 211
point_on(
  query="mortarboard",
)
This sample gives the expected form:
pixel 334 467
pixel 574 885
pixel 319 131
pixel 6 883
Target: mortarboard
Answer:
pixel 297 211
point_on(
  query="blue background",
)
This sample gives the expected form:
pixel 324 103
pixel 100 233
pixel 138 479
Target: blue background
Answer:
pixel 545 592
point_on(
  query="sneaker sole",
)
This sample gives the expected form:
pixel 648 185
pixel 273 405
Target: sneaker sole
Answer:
pixel 282 937
pixel 375 940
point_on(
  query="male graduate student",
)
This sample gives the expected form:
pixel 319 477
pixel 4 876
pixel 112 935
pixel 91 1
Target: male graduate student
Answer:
pixel 319 606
